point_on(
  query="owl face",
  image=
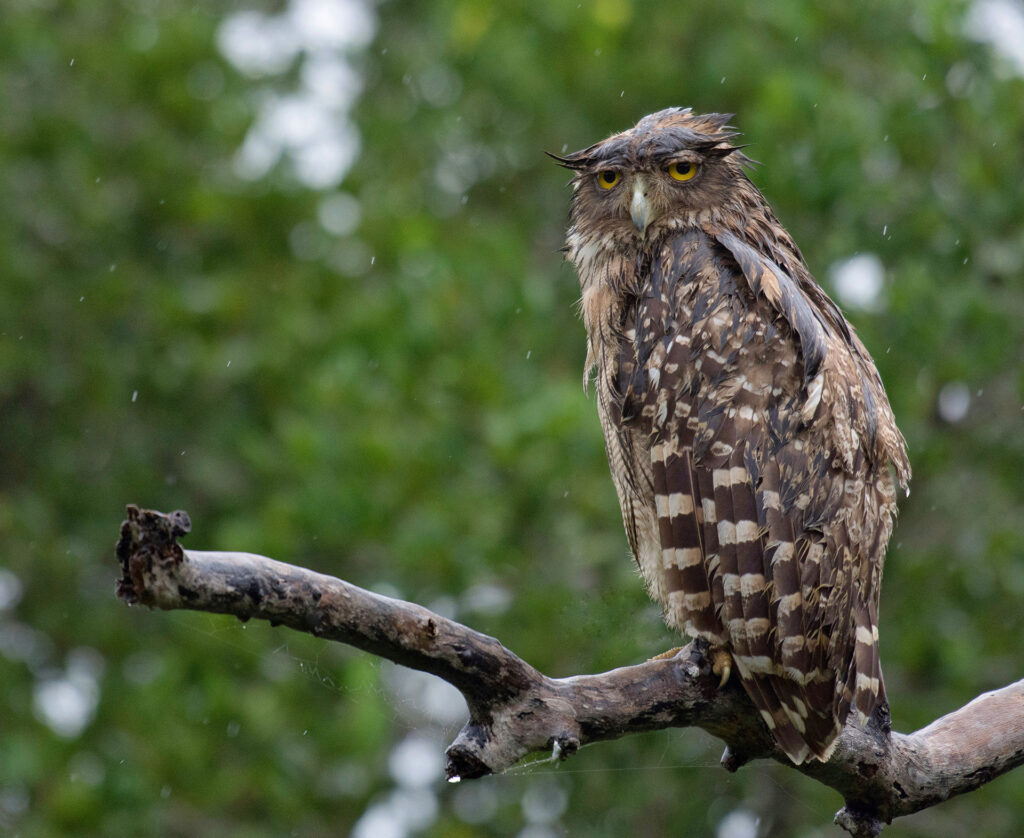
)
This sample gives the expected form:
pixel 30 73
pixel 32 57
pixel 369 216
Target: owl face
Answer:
pixel 658 175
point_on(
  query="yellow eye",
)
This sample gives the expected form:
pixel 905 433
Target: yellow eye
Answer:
pixel 684 170
pixel 608 178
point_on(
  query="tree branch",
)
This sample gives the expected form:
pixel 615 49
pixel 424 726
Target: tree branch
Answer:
pixel 514 709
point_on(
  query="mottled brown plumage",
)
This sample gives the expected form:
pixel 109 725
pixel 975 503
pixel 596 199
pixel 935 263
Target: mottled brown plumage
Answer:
pixel 747 430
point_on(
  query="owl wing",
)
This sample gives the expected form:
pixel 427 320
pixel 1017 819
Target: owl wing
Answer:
pixel 839 479
pixel 727 380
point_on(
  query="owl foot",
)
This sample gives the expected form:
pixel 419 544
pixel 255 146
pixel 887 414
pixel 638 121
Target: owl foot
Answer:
pixel 671 653
pixel 721 664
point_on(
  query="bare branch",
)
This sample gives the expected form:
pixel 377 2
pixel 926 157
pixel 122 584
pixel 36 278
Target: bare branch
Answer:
pixel 514 709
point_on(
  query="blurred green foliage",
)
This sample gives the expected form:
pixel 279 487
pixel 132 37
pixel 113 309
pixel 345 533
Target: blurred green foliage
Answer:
pixel 396 399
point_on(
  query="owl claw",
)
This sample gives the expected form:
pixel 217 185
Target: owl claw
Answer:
pixel 664 656
pixel 721 664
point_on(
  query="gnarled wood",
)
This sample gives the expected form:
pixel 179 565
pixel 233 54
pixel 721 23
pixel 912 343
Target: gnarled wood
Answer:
pixel 515 709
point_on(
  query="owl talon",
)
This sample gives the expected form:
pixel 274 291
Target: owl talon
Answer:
pixel 721 664
pixel 664 656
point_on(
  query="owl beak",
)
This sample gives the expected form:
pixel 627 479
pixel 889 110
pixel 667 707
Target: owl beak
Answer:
pixel 640 208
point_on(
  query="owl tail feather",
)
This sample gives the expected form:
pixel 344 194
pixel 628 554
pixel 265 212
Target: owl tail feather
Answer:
pixel 787 709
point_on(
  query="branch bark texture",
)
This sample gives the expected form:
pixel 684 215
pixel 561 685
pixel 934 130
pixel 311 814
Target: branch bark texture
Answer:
pixel 515 709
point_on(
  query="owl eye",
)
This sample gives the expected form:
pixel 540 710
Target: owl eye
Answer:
pixel 608 178
pixel 684 170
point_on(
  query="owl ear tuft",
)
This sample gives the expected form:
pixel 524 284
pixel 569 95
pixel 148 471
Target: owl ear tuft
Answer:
pixel 565 162
pixel 576 161
pixel 718 144
pixel 720 152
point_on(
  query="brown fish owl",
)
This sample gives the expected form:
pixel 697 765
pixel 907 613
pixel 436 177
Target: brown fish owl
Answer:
pixel 747 430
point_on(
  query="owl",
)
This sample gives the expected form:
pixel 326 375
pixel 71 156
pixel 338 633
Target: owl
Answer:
pixel 751 443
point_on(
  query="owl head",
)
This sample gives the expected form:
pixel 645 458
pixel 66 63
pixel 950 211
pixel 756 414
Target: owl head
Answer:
pixel 660 174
